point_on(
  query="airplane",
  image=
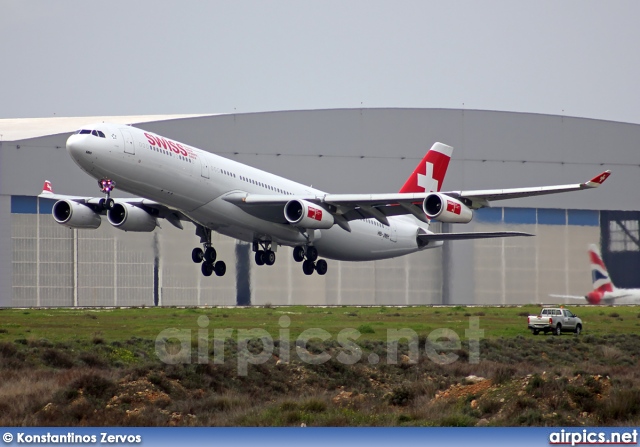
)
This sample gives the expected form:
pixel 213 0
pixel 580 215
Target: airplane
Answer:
pixel 179 183
pixel 604 291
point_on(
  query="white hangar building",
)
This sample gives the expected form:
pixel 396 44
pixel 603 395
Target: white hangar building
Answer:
pixel 342 151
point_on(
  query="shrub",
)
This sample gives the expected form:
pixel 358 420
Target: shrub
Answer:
pixel 401 396
pixel 622 405
pixel 457 420
pixel 535 383
pixel 7 350
pixel 489 406
pixel 288 405
pixel 530 417
pixel 525 402
pixel 57 359
pixel 584 398
pixel 94 385
pixel 92 360
pixel 314 406
pixel 366 329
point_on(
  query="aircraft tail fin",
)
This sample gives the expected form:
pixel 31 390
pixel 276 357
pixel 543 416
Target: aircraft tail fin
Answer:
pixel 599 275
pixel 429 175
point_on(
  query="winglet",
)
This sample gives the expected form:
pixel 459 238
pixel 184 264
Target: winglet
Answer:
pixel 598 179
pixel 47 188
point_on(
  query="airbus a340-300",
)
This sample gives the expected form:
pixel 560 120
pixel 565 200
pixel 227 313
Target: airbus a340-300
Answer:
pixel 222 195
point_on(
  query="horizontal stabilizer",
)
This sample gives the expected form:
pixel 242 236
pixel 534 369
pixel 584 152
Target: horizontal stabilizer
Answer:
pixel 473 235
pixel 569 297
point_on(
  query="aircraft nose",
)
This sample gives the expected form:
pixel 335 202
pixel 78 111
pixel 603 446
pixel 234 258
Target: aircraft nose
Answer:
pixel 74 146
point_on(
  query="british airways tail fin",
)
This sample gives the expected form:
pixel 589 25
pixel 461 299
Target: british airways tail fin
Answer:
pixel 428 176
pixel 599 275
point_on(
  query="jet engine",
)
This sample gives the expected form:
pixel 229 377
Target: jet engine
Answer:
pixel 75 215
pixel 594 297
pixel 127 217
pixel 446 209
pixel 301 213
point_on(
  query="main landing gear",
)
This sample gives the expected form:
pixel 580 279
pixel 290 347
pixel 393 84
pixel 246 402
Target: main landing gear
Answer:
pixel 207 256
pixel 265 252
pixel 265 255
pixel 309 265
pixel 106 186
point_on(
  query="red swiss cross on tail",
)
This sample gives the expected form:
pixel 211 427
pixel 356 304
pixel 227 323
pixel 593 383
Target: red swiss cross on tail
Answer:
pixel 429 174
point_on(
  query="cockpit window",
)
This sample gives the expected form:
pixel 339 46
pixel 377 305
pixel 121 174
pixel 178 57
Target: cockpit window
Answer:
pixel 95 133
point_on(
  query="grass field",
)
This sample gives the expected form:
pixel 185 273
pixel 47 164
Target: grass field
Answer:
pixel 119 324
pixel 97 367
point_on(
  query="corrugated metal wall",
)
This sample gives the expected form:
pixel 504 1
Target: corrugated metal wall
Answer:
pixel 57 266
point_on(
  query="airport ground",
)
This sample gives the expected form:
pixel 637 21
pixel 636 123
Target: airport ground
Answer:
pixel 317 366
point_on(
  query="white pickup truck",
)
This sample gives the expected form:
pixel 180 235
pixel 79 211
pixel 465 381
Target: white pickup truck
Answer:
pixel 554 319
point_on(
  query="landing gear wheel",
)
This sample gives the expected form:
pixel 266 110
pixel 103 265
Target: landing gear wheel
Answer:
pixel 312 253
pixel 197 255
pixel 220 268
pixel 308 267
pixel 207 269
pixel 106 204
pixel 106 187
pixel 260 257
pixel 269 257
pixel 321 267
pixel 210 255
pixel 298 254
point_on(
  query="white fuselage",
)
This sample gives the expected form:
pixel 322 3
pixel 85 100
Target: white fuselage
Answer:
pixel 622 296
pixel 195 182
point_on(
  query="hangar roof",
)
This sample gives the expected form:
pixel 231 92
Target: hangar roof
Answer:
pixel 23 128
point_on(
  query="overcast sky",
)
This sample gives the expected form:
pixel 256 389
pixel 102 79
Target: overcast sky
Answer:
pixel 116 57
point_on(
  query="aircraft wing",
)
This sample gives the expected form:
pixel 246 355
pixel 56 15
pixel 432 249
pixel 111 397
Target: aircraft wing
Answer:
pixel 481 198
pixel 379 206
pixel 174 217
pixel 348 206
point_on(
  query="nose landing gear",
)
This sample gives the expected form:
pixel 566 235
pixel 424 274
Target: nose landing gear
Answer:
pixel 106 186
pixel 207 256
pixel 310 265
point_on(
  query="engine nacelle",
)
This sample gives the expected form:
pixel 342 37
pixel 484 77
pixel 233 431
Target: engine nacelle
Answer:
pixel 75 215
pixel 446 209
pixel 127 217
pixel 594 297
pixel 301 213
